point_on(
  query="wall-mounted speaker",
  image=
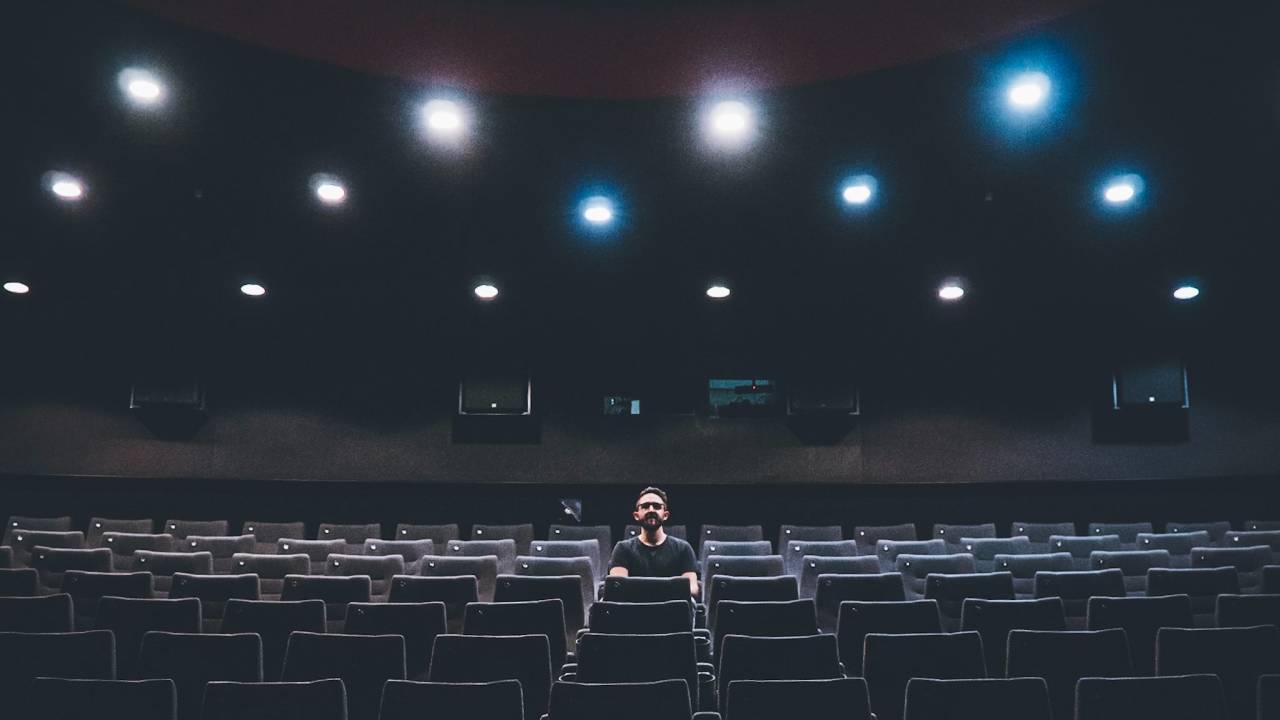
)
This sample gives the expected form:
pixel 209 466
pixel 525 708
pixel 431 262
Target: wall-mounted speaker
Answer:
pixel 809 397
pixel 495 394
pixel 1150 382
pixel 171 410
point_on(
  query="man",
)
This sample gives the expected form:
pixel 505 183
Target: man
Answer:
pixel 654 553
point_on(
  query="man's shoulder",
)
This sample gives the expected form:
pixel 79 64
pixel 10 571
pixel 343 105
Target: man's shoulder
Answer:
pixel 679 543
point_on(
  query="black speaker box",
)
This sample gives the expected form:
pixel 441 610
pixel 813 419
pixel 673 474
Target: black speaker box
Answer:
pixel 1150 382
pixel 171 410
pixel 495 394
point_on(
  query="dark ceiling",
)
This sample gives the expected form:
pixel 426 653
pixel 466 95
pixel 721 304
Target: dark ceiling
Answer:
pixel 185 204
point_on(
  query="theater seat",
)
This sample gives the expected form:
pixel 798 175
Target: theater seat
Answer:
pixel 319 700
pixel 565 589
pixel 378 568
pixel 1082 548
pixel 334 592
pixel 351 535
pixel 364 663
pixel 578 568
pixel 505 550
pixel 483 568
pixel 62 699
pixel 634 589
pixel 1075 589
pixel 317 551
pixel 734 548
pixel 741 566
pixel 52 563
pixel 1178 545
pixel 1183 697
pixel 951 590
pixel 836 699
pixel 273 621
pixel 1202 585
pixel 418 623
pixel 521 534
pixel 868 537
pixel 954 534
pixel 1248 610
pixel 812 657
pixel 1012 699
pixel 223 548
pixel 795 551
pixel 88 588
pixel 531 617
pixel 52 524
pixel 1062 658
pixel 1134 565
pixel 889 550
pixel 763 619
pixel 411 551
pixel 19 582
pixel 626 618
pixel 890 661
pixel 439 535
pixel 99 527
pixel 455 593
pixel 163 566
pixel 497 700
pixel 1270 538
pixel 811 533
pixel 1268 696
pixel 1127 532
pixel 914 570
pixel 42 614
pixel 23 542
pixel 814 566
pixel 271 570
pixel 181 529
pixel 1254 525
pixel 1215 529
pixel 475 658
pixel 1271 580
pixel 985 550
pixel 1039 533
pixel 672 656
pixel 131 618
pixel 993 619
pixel 747 589
pixel 192 661
pixel 730 533
pixel 1141 618
pixel 660 700
pixel 24 657
pixel 214 591
pixel 1238 656
pixel 568 550
pixel 835 589
pixel 267 535
pixel 123 545
pixel 602 534
pixel 859 619
pixel 6 557
pixel 1247 561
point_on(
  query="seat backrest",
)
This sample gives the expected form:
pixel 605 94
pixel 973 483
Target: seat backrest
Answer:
pixel 889 550
pixel 1076 587
pixel 439 535
pixel 271 570
pixel 811 533
pixel 952 590
pixel 794 552
pixel 214 591
pixel 529 617
pixel 915 569
pixel 1134 564
pixel 763 619
pixel 561 549
pixel 335 592
pixel 317 551
pixel 1248 610
pixel 733 587
pixel 1248 562
pixel 193 660
pixel 1000 699
pixel 123 545
pixel 131 618
pixel 811 657
pixel 1248 538
pixel 638 589
pixel 1081 547
pixel 1262 524
pixel 505 550
pixel 378 568
pixel 479 658
pixel 742 566
pixel 319 700
pixel 22 582
pixel 869 536
pixel 729 533
pixel 624 618
pixel 453 592
pixel 861 618
pixel 352 536
pixel 844 698
pixel 364 663
pixel 659 700
pixel 993 619
pixel 1268 696
pixel 1178 545
pixel 612 658
pixel 1238 656
pixel 734 548
pixel 36 614
pixel 1271 580
pixel 814 566
pixel 483 568
pixel 1140 618
pixel 1202 585
pixel 889 661
pixel 88 588
pixel 53 524
pixel 6 557
pixel 952 535
pixel 521 534
pixel 567 589
pixel 52 563
pixel 87 655
pixel 417 623
pixel 411 551
pixel 273 621
pixel 163 566
pixel 1217 529
pixel 23 542
pixel 985 550
pixel 832 589
pixel 99 527
pixel 180 529
pixel 497 700
pixel 1127 532
pixel 1063 657
pixel 578 568
pixel 266 535
pixel 1181 697
pixel 223 548
pixel 602 534
pixel 1039 533
pixel 63 699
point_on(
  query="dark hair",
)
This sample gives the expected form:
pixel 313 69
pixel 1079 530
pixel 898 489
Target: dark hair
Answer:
pixel 653 491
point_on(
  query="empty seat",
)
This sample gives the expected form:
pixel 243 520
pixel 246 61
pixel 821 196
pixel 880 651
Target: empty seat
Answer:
pixel 163 566
pixel 734 548
pixel 497 700
pixel 868 537
pixel 811 533
pixel 1249 538
pixel 812 657
pixel 52 524
pixel 1238 656
pixel 626 618
pixel 43 614
pixel 1141 618
pixel 670 656
pixel 273 621
pixel 1248 562
pixel 61 699
pixel 741 566
pixel 483 568
pixel 223 548
pixel 1178 545
pixel 578 568
pixel 334 592
pixel 25 656
pixel 1202 585
pixel 985 550
pixel 562 549
pixel 794 552
pixel 950 591
pixel 88 588
pixel 1216 529
pixel 1262 524
pixel 1040 533
pixel 1075 589
pixel 418 623
pixel 763 619
pixel 52 563
pixel 837 699
pixel 319 700
pixel 659 700
pixel 131 618
pixel 730 533
pixel 439 535
pixel 6 557
pixel 271 570
pixel 123 545
pixel 364 663
pixel 1062 658
pixel 352 537
pixel 1268 696
pixel 890 661
pixel 889 550
pixel 833 589
pixel 566 589
pixel 478 658
pixel 747 589
pixel 99 527
pixel 1081 548
pixel 192 661
pixel 1127 532
pixel 213 592
pixel 23 542
pixel 317 551
pixel 637 589
pixel 1011 699
pixel 181 529
pixel 1271 580
pixel 529 617
pixel 814 566
pixel 453 592
pixel 1183 697
pixel 679 531
pixel 1133 564
pixel 602 534
pixel 954 534
pixel 19 582
pixel 993 619
pixel 914 569
pixel 1248 610
pixel 378 568
pixel 504 550
pixel 267 535
pixel 411 551
pixel 859 619
pixel 521 534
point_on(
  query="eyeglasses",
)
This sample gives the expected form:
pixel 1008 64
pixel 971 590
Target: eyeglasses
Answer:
pixel 650 506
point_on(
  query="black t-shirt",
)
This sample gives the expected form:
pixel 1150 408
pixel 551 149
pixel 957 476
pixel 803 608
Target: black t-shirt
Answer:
pixel 672 558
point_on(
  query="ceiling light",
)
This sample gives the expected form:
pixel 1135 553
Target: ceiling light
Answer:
pixel 857 190
pixel 718 291
pixel 486 291
pixel 329 189
pixel 1122 190
pixel 253 290
pixel 1186 292
pixel 951 290
pixel 730 124
pixel 597 210
pixel 17 288
pixel 445 120
pixel 1029 91
pixel 65 186
pixel 142 87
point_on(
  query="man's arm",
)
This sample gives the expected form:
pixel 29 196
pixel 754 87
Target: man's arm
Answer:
pixel 618 571
pixel 618 562
pixel 692 577
pixel 689 566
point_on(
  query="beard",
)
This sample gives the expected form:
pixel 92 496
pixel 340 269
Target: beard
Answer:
pixel 652 521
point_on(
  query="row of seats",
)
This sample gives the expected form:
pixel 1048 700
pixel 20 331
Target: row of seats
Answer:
pixel 1049 672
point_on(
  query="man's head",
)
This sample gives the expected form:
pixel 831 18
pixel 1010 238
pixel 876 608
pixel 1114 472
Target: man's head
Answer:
pixel 651 509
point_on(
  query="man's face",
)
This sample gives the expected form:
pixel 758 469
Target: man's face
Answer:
pixel 651 512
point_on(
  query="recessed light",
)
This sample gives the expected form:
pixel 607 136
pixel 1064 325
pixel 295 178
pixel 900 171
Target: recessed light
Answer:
pixel 142 87
pixel 65 186
pixel 329 189
pixel 951 290
pixel 1122 189
pixel 253 290
pixel 1029 91
pixel 597 210
pixel 486 291
pixel 730 124
pixel 1186 292
pixel 718 291
pixel 17 288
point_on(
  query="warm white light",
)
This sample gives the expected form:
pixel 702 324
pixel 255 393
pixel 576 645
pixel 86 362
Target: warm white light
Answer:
pixel 1119 192
pixel 597 211
pixel 485 291
pixel 718 292
pixel 1029 91
pixel 1186 292
pixel 329 189
pixel 444 120
pixel 253 290
pixel 17 288
pixel 142 87
pixel 951 291
pixel 65 185
pixel 730 123
pixel 856 194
